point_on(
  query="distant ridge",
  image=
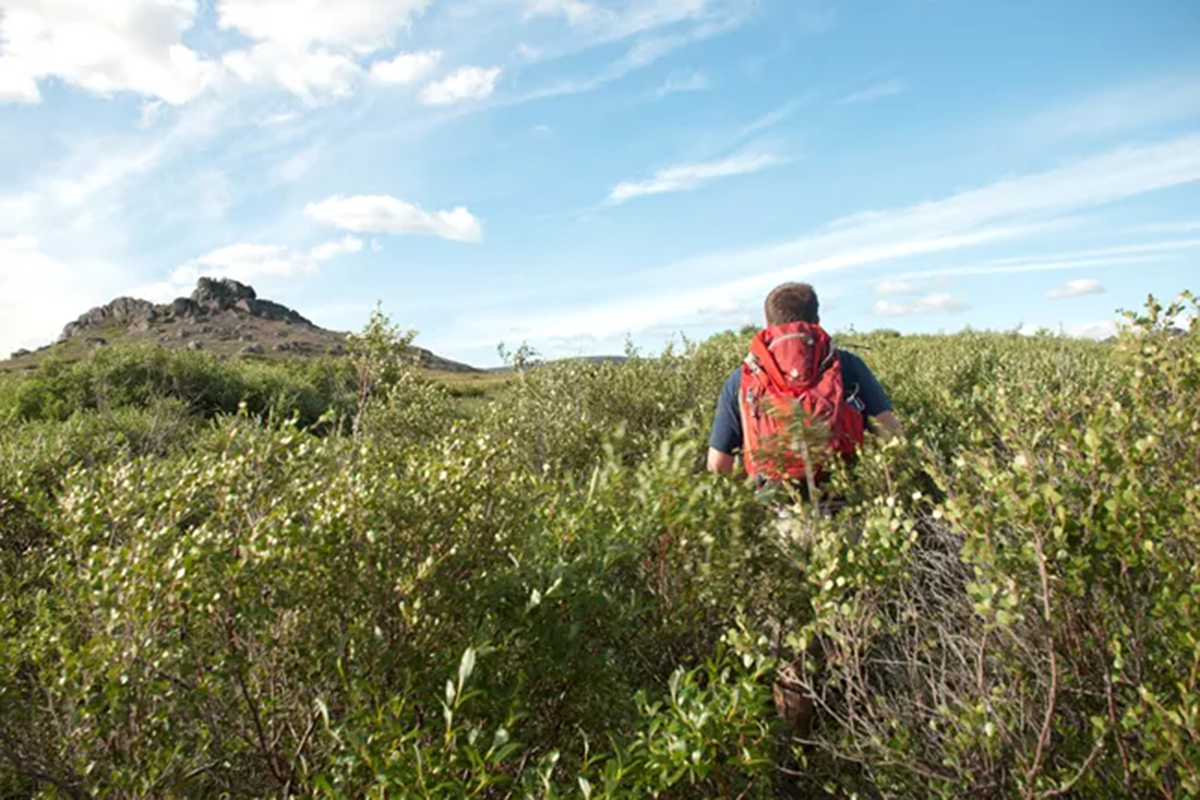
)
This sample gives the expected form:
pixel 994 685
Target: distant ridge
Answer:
pixel 222 316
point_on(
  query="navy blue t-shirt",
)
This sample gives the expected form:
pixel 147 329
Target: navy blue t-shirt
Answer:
pixel 861 386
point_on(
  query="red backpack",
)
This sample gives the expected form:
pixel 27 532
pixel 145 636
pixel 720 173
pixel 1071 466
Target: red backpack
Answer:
pixel 790 368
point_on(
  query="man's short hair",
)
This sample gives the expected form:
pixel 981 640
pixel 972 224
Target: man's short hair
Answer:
pixel 792 302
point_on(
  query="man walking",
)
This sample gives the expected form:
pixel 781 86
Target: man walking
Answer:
pixel 795 368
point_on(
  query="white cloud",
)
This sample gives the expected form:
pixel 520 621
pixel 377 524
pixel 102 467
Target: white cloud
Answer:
pixel 879 90
pixel 18 210
pixel 249 263
pixel 245 262
pixel 576 12
pixel 17 84
pixel 102 47
pixel 376 245
pixel 311 48
pixel 1007 210
pixel 1076 288
pixel 466 83
pixel 527 52
pixel 361 26
pixel 348 245
pixel 386 214
pixel 406 68
pixel 1101 329
pixel 309 74
pixel 939 303
pixel 693 81
pixel 40 293
pixel 1029 329
pixel 692 176
pixel 1145 103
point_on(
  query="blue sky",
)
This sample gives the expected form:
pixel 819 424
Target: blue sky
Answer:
pixel 570 172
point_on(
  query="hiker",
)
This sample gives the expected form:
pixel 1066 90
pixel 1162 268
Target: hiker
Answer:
pixel 794 352
pixel 793 363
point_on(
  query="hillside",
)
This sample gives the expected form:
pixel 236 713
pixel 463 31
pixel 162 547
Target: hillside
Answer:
pixel 221 316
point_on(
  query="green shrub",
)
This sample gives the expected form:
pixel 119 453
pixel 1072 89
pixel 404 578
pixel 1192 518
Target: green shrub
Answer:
pixel 266 581
pixel 117 377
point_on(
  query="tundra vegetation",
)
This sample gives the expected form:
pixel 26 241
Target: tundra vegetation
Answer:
pixel 342 578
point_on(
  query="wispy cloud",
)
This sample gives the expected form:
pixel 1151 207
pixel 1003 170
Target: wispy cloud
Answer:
pixel 575 12
pixel 1116 256
pixel 347 245
pixel 298 164
pixel 248 262
pixel 40 291
pixel 940 303
pixel 1141 104
pixel 386 214
pixel 876 92
pixel 1141 248
pixel 1184 226
pixel 657 28
pixel 1076 288
pixel 83 197
pixel 686 177
pixel 774 117
pixel 816 16
pixel 693 81
pixel 1007 210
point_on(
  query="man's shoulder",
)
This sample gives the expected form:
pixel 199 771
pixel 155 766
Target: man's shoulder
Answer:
pixel 852 361
pixel 733 384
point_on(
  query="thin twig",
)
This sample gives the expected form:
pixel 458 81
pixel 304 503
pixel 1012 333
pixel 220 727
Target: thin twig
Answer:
pixel 1044 737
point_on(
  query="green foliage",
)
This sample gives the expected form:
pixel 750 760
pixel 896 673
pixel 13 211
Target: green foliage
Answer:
pixel 113 378
pixel 257 580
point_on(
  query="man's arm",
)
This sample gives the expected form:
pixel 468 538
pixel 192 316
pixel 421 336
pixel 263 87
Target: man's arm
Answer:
pixel 721 463
pixel 726 436
pixel 877 406
pixel 886 423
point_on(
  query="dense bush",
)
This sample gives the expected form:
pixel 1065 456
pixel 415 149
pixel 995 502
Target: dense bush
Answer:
pixel 263 581
pixel 112 378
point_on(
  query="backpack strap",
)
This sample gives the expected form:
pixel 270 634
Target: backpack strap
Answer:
pixel 764 360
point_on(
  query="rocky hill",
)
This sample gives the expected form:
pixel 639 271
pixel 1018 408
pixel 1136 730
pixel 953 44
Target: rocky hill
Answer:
pixel 221 316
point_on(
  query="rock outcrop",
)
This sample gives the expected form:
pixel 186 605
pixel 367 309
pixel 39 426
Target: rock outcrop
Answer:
pixel 215 295
pixel 122 312
pixel 212 297
pixel 222 317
